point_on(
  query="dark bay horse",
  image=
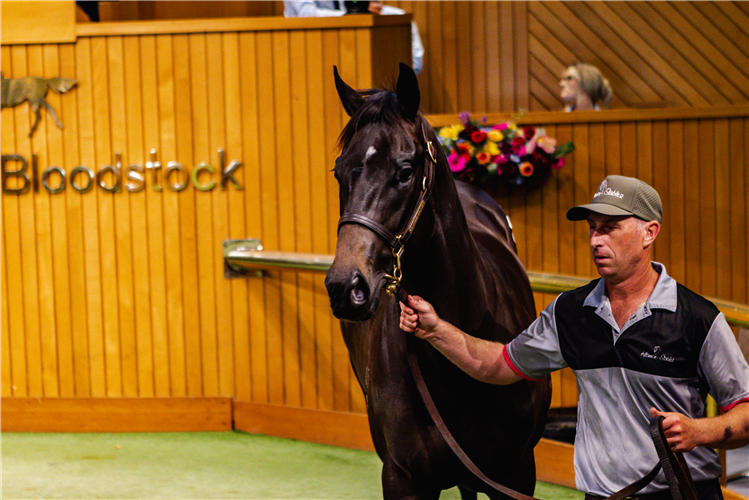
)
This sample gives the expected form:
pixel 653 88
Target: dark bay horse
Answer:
pixel 461 257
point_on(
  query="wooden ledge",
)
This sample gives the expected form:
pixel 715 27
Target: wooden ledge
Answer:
pixel 604 116
pixel 230 24
pixel 116 414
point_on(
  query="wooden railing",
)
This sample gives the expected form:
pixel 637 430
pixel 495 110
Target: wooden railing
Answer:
pixel 245 259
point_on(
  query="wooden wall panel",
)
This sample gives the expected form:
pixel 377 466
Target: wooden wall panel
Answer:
pixel 123 294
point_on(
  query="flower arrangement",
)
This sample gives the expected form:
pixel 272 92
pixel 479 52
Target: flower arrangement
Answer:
pixel 516 156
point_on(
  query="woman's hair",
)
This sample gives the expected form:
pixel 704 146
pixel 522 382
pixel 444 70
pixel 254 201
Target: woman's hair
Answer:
pixel 593 83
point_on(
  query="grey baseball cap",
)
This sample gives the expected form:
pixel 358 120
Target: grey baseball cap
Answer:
pixel 618 195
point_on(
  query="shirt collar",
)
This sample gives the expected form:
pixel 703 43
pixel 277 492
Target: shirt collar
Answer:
pixel 663 296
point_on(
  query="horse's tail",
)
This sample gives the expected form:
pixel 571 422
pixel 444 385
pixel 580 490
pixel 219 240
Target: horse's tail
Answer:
pixel 61 85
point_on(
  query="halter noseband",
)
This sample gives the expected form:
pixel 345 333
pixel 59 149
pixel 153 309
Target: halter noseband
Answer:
pixel 397 243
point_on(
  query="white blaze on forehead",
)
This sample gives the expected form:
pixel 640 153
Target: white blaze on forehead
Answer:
pixel 370 152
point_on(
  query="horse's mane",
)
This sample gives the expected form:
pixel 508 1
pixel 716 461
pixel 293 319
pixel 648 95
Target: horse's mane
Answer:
pixel 380 106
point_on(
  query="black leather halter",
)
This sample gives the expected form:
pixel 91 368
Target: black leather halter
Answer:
pixel 397 243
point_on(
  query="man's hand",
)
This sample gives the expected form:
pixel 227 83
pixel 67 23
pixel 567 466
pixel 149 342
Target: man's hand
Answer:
pixel 680 430
pixel 420 318
pixel 726 431
pixel 375 7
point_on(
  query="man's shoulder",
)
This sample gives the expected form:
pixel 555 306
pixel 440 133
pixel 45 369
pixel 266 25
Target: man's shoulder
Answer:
pixel 692 303
pixel 578 294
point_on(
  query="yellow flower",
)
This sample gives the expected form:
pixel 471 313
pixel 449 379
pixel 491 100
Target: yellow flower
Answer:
pixel 495 135
pixel 491 148
pixel 451 132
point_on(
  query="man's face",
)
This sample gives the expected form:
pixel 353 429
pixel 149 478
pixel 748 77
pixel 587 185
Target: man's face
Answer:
pixel 616 244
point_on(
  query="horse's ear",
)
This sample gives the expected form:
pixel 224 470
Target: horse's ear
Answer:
pixel 350 98
pixel 408 93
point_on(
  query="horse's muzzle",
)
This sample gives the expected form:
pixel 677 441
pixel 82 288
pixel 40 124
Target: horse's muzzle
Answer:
pixel 350 295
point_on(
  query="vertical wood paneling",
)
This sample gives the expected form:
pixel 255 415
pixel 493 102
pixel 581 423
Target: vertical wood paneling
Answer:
pixel 29 251
pixel 302 163
pixel 270 229
pixel 45 274
pixel 177 138
pixel 285 182
pixel 676 221
pixel 707 197
pixel 204 219
pixel 236 218
pixel 170 221
pixel 253 209
pixel 318 73
pixel 737 217
pixel 723 189
pixel 94 304
pixel 660 181
pixel 75 264
pixel 692 198
pixel 122 223
pixel 151 73
pixel 135 156
pixel 60 231
pixel 217 105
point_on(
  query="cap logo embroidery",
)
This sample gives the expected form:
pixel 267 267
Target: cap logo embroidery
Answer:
pixel 604 190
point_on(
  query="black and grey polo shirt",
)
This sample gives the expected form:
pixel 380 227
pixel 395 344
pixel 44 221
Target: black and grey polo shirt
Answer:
pixel 670 354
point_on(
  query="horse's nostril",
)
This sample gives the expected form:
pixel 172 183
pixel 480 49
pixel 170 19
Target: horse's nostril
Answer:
pixel 359 290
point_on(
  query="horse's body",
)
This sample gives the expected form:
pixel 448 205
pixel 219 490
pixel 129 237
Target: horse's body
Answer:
pixel 467 267
pixel 34 89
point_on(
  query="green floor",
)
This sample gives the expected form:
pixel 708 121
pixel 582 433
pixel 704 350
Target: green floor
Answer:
pixel 194 465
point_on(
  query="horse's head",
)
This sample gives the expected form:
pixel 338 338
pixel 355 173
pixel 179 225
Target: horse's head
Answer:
pixel 384 174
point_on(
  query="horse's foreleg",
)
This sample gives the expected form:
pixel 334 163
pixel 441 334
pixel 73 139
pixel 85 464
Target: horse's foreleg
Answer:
pixel 38 117
pixel 398 485
pixel 51 111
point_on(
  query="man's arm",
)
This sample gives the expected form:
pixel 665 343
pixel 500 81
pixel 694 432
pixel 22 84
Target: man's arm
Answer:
pixel 481 359
pixel 727 431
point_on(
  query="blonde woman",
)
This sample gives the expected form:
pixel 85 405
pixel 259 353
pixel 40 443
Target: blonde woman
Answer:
pixel 583 87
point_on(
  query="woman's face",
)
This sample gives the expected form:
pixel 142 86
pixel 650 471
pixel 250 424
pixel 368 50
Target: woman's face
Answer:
pixel 569 87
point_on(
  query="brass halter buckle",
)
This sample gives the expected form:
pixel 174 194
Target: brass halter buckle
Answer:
pixel 432 152
pixel 394 280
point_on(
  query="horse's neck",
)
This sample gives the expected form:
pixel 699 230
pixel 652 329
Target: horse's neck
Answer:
pixel 448 266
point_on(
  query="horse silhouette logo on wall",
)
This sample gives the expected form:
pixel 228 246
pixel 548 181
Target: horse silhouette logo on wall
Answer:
pixel 34 89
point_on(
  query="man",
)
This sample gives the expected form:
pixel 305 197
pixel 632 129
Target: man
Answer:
pixel 640 345
pixel 309 8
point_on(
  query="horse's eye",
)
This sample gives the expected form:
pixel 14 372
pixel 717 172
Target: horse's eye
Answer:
pixel 405 174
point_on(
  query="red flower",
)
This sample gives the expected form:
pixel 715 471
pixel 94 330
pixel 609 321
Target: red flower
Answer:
pixel 478 136
pixel 529 132
pixel 518 141
pixel 483 158
pixel 464 151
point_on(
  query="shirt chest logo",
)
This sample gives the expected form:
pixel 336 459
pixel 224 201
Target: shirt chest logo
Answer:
pixel 657 354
